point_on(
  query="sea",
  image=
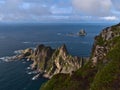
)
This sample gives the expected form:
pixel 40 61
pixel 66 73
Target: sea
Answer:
pixel 17 36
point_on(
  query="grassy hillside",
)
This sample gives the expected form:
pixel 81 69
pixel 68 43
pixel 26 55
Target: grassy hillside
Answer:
pixel 104 74
pixel 109 76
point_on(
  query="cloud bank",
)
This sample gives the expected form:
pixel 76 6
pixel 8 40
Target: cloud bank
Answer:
pixel 54 10
pixel 93 7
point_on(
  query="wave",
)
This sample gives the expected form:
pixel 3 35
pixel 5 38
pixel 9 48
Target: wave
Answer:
pixel 18 51
pixel 26 42
pixel 32 72
pixel 7 58
pixel 28 68
pixel 59 33
pixel 21 50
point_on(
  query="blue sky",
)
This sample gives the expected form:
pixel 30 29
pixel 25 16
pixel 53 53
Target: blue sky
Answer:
pixel 59 10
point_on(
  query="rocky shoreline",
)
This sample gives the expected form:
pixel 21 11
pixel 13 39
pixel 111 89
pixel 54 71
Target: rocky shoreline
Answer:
pixel 49 62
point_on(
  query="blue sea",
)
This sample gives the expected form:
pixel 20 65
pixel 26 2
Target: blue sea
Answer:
pixel 13 75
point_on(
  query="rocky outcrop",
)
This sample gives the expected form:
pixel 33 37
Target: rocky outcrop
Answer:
pixel 82 33
pixel 102 46
pixel 52 61
pixel 62 62
pixel 24 53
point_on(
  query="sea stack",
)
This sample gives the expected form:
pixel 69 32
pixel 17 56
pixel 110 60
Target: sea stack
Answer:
pixel 82 32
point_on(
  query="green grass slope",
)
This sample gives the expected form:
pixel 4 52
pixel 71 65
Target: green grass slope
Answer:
pixel 108 78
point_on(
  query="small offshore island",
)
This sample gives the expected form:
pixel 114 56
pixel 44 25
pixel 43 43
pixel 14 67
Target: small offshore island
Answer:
pixel 82 32
pixel 101 71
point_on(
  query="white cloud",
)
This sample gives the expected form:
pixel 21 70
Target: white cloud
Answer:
pixel 110 18
pixel 93 7
pixel 116 4
pixel 59 9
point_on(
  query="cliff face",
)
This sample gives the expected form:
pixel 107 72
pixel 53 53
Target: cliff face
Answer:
pixel 103 43
pixel 52 61
pixel 106 58
pixel 41 57
pixel 101 72
pixel 62 62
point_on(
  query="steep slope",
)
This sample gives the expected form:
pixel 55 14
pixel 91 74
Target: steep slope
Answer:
pixel 102 72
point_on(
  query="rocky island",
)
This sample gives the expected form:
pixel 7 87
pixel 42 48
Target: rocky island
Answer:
pixel 101 72
pixel 82 32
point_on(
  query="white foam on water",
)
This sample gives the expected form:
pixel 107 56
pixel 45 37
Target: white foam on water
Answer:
pixel 8 58
pixel 59 33
pixel 5 59
pixel 28 68
pixel 32 72
pixel 18 51
pixel 26 42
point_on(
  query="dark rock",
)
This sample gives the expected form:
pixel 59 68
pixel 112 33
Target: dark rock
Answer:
pixel 82 32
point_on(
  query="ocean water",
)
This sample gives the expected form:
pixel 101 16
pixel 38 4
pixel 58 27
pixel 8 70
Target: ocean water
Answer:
pixel 13 75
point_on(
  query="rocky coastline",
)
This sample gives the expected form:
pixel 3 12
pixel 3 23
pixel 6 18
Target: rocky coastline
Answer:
pixel 49 62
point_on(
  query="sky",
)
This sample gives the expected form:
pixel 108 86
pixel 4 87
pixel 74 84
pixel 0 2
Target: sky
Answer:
pixel 59 10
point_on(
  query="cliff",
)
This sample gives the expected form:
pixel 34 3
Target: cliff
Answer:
pixel 101 72
pixel 106 58
pixel 104 43
pixel 50 61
